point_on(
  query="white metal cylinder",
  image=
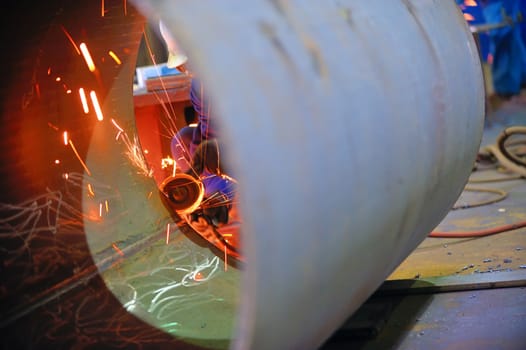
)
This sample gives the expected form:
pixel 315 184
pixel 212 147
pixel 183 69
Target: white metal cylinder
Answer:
pixel 352 127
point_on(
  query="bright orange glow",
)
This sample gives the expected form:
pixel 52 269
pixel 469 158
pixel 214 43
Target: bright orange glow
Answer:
pixel 96 105
pixel 70 40
pixel 57 161
pixel 198 276
pixel 227 235
pixel 90 191
pixel 471 3
pixel 102 8
pixel 468 17
pixel 68 91
pixel 115 57
pixel 49 71
pixel 65 135
pixel 87 57
pixel 167 233
pixel 58 79
pixel 79 158
pixel 117 249
pixel 107 206
pixel 84 100
pixel 100 209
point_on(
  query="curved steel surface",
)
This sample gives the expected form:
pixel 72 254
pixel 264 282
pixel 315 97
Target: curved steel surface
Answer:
pixel 352 127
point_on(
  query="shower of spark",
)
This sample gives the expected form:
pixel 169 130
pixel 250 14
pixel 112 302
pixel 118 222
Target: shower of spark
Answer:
pixel 133 150
pixel 135 155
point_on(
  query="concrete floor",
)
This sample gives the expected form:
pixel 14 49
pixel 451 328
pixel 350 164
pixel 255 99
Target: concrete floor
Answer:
pixel 457 293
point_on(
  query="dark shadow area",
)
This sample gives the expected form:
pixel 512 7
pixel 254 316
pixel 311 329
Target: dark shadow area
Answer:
pixel 384 320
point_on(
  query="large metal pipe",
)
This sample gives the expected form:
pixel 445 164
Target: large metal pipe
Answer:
pixel 352 126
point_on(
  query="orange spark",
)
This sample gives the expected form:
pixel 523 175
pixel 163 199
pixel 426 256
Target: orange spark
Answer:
pixel 49 71
pixel 115 57
pixel 471 3
pixel 198 276
pixel 54 127
pixel 68 91
pixel 125 8
pixel 90 191
pixel 117 249
pixel 102 8
pixel 70 39
pixel 468 17
pixel 87 57
pixel 96 105
pixel 65 135
pixel 167 233
pixel 100 209
pixel 107 206
pixel 37 88
pixel 57 161
pixel 78 157
pixel 58 79
pixel 116 125
pixel 84 100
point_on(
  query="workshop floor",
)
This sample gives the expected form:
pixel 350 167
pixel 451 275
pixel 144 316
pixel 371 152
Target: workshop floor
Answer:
pixel 500 252
pixel 457 293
